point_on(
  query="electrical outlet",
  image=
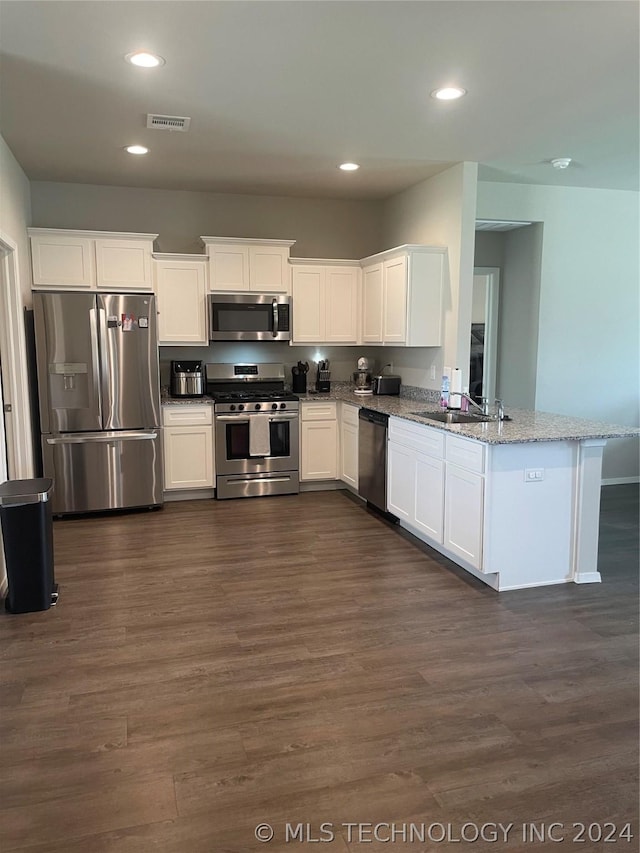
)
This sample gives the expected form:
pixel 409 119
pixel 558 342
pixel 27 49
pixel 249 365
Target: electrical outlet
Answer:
pixel 533 475
pixel 432 373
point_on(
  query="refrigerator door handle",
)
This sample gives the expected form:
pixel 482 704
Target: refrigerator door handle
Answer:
pixel 95 355
pixel 120 435
pixel 105 390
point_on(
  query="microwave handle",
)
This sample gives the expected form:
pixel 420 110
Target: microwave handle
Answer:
pixel 274 307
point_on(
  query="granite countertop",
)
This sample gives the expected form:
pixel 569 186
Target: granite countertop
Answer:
pixel 525 426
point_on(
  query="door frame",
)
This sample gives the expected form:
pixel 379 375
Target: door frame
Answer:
pixel 490 355
pixel 15 376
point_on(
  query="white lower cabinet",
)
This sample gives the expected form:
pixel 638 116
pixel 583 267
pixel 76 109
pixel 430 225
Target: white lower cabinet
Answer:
pixel 349 444
pixel 188 447
pixel 435 496
pixel 318 441
pixel 464 514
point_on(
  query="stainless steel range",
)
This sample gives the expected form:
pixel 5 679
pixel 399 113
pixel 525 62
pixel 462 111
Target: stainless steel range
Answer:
pixel 256 430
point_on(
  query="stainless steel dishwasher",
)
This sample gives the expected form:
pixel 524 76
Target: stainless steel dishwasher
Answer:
pixel 372 459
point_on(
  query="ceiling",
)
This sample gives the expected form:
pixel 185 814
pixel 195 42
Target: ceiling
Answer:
pixel 279 93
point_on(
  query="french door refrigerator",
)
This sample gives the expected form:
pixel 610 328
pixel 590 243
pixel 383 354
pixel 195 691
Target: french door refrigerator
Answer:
pixel 99 394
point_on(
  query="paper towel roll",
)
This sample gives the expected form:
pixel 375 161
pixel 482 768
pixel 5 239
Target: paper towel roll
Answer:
pixel 456 385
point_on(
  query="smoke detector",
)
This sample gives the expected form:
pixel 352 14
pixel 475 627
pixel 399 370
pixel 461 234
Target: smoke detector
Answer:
pixel 561 162
pixel 159 122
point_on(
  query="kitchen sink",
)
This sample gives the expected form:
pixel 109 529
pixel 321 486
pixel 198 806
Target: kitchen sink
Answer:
pixel 454 417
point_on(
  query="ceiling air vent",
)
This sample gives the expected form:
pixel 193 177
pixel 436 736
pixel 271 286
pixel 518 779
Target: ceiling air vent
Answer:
pixel 158 122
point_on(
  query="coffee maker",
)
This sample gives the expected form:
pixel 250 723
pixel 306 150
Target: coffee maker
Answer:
pixel 362 377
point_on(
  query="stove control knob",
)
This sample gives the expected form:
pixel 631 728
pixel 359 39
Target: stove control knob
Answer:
pixel 232 407
pixel 274 405
pixel 257 407
pixel 241 408
pixel 283 405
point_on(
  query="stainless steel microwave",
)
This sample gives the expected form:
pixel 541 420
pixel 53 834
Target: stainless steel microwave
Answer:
pixel 249 317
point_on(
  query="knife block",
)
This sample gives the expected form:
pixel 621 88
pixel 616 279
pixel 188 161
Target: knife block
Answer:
pixel 323 380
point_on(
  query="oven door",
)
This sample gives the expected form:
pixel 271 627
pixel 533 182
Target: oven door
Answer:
pixel 234 442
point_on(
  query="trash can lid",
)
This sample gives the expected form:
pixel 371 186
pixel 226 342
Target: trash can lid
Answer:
pixel 25 491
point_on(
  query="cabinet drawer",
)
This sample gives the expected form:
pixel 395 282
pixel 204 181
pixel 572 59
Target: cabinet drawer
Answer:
pixel 186 415
pixel 421 438
pixel 349 414
pixel 319 411
pixel 465 453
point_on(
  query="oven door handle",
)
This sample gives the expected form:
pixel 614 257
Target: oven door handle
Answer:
pixel 274 308
pixel 272 418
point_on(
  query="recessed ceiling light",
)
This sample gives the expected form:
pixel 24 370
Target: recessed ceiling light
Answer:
pixel 144 59
pixel 349 167
pixel 137 149
pixel 448 93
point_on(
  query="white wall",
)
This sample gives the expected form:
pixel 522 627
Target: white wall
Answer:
pixel 439 212
pixel 322 228
pixel 15 213
pixel 588 343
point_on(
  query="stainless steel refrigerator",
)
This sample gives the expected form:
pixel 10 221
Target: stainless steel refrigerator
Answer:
pixel 99 394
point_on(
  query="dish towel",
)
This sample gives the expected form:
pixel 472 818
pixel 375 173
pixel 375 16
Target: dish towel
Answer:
pixel 259 436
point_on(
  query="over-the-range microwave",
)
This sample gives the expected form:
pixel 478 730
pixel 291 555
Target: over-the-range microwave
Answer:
pixel 249 317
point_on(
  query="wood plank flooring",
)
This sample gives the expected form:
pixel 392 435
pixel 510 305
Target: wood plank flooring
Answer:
pixel 311 664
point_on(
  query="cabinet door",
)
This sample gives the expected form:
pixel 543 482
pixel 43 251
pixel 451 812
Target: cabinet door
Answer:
pixel 269 269
pixel 372 304
pixel 63 261
pixel 188 457
pixel 349 454
pixel 394 312
pixel 464 511
pixel 308 304
pixel 124 264
pixel 401 475
pixel 181 292
pixel 318 450
pixel 429 496
pixel 341 300
pixel 228 267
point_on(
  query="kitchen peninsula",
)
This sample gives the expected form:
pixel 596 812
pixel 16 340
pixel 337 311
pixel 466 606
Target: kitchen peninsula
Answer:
pixel 515 503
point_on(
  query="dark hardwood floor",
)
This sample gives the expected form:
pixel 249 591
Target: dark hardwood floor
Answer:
pixel 306 664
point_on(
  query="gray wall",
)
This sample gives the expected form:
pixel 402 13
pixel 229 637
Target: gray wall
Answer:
pixel 322 228
pixel 519 317
pixel 343 359
pixel 489 249
pixel 517 254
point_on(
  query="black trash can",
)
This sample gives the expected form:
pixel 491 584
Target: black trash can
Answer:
pixel 27 534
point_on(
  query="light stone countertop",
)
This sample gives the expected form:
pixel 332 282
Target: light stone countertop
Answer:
pixel 525 426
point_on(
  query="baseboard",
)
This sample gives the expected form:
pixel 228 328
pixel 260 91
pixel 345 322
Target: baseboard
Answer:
pixel 322 485
pixel 620 481
pixel 189 495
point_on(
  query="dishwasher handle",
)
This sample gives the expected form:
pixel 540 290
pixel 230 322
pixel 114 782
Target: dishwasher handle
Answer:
pixel 374 417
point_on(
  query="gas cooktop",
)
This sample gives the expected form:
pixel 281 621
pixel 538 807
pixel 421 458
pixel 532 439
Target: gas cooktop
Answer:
pixel 253 396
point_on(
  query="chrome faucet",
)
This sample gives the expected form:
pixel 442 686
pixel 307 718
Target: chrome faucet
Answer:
pixel 484 408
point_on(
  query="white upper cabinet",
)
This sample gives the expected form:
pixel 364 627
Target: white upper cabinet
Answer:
pixel 237 265
pixel 181 291
pixel 403 292
pixel 124 263
pixel 86 260
pixel 325 301
pixel 62 260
